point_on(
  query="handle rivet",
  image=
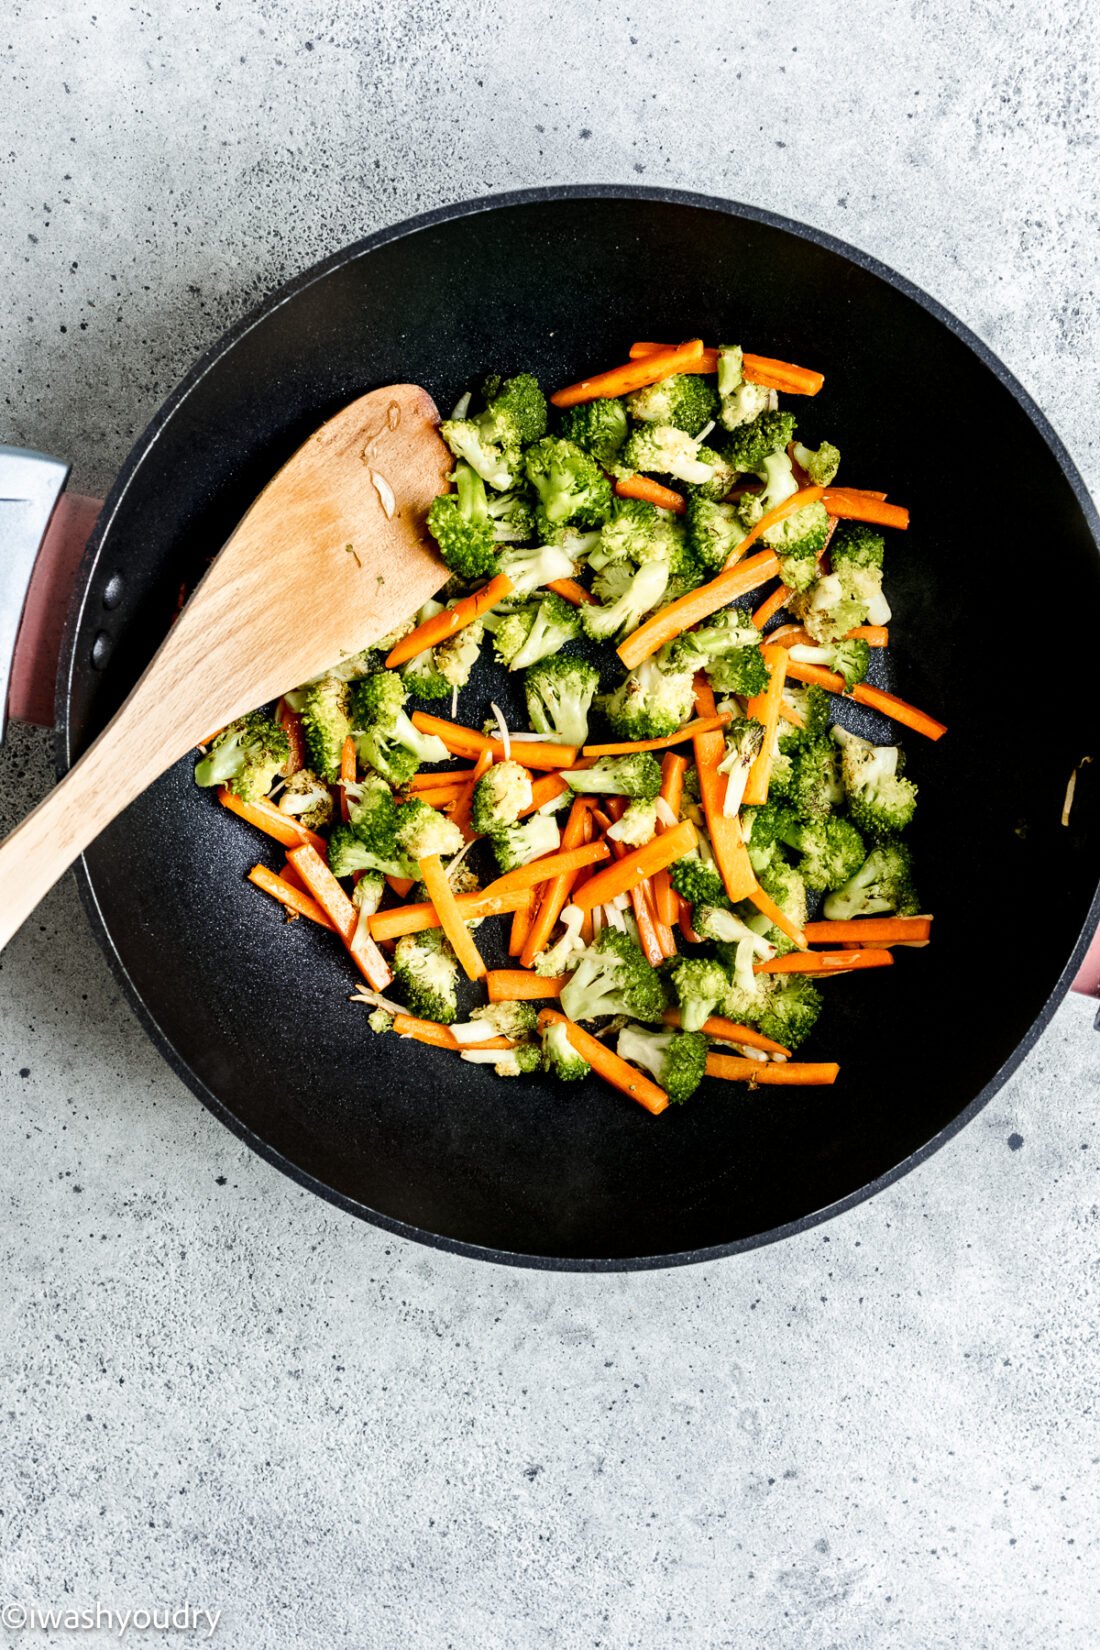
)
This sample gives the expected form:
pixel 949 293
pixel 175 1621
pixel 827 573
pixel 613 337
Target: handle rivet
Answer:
pixel 112 595
pixel 101 650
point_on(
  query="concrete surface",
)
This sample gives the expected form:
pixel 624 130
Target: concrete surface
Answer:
pixel 217 1390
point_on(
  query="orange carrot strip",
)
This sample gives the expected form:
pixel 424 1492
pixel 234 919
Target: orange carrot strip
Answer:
pixel 879 930
pixel 636 866
pixel 520 985
pixel 522 918
pixel 628 1079
pixel 780 919
pixel 899 710
pixel 765 707
pixel 289 874
pixel 466 742
pixel 342 914
pixel 647 928
pixel 400 885
pixel 347 774
pixel 668 622
pixel 291 724
pixel 633 375
pixel 368 959
pixel 570 591
pixel 442 896
pixel 729 1031
pixel 673 769
pixel 875 635
pixel 459 809
pixel 644 487
pixel 789 714
pixel 413 919
pixel 758 369
pixel 665 898
pixel 862 507
pixel 788 1073
pixel 723 829
pixel 441 1036
pixel 555 894
pixel 666 938
pixel 449 776
pixel 267 818
pixel 549 866
pixel 824 962
pixel 628 747
pixel 443 796
pixel 442 625
pixel 816 675
pixel 287 894
pixel 707 362
pixel 685 922
pixel 770 606
pixel 551 785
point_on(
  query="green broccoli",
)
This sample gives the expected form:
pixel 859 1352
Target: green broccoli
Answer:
pixel 349 853
pixel 744 405
pixel 698 883
pixel 744 672
pixel 563 955
pixel 747 999
pixel 515 1020
pixel 368 891
pixel 685 401
pixel 713 532
pixel 570 484
pixel 652 702
pixel 385 738
pixel 728 631
pixel 514 416
pixel 676 1060
pixel 744 741
pixel 798 540
pixel 662 450
pixel 637 826
pixel 512 516
pixel 858 545
pixel 880 799
pixel 245 757
pixel 722 476
pixel 623 598
pixel 420 674
pixel 812 705
pixel 761 827
pixel 423 830
pixel 426 969
pixel 849 659
pixel 528 839
pixel 834 604
pixel 637 531
pixel 531 566
pixel 598 426
pixel 461 526
pixel 816 787
pixel 326 725
pixel 513 1062
pixel 501 795
pixel 791 1012
pixel 559 1057
pixel 821 466
pixel 884 882
pixel 535 630
pixel 516 404
pixel 307 799
pixel 751 444
pixel 559 693
pixel 731 368
pixel 613 977
pixel 832 850
pixel 787 888
pixel 380 1022
pixel 634 776
pixel 456 657
pixel 700 984
pixel 718 922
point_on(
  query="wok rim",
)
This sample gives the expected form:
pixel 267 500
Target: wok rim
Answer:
pixel 143 448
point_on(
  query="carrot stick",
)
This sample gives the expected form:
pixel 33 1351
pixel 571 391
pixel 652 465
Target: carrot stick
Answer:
pixel 862 507
pixel 880 930
pixel 758 369
pixel 607 1063
pixel 449 776
pixel 898 710
pixel 267 818
pixel 442 896
pixel 520 985
pixel 441 1036
pixel 875 635
pixel 342 914
pixel 673 769
pixel 633 375
pixel 551 785
pixel 347 774
pixel 816 675
pixel 789 714
pixel 729 1031
pixel 289 874
pixel 647 928
pixel 665 898
pixel 707 362
pixel 442 625
pixel 569 590
pixel 287 894
pixel 652 492
pixel 443 796
pixel 666 939
pixel 522 918
pixel 628 747
pixel 413 919
pixel 685 922
pixel 467 742
pixel 765 708
pixel 765 904
pixel 723 829
pixel 555 894
pixel 549 866
pixel 291 724
pixel 793 1073
pixel 668 622
pixel 636 866
pixel 824 962
pixel 770 606
pixel 459 809
pixel 400 885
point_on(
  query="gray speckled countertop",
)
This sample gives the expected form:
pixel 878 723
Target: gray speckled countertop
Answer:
pixel 218 1390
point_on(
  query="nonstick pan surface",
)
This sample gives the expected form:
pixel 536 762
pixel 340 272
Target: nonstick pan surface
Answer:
pixel 253 1013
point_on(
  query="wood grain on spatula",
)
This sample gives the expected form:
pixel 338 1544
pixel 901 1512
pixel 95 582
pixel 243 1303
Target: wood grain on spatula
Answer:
pixel 332 555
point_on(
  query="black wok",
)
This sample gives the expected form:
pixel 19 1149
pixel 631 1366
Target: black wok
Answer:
pixel 253 1013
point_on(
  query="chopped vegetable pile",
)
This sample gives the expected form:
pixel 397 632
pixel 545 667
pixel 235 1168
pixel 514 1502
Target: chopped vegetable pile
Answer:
pixel 632 549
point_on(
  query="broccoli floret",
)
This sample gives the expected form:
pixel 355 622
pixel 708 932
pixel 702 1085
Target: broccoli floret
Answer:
pixel 812 705
pixel 529 839
pixel 652 702
pixel 744 405
pixel 744 741
pixel 494 458
pixel 685 401
pixel 676 1060
pixel 559 693
pixel 637 532
pixel 777 476
pixel 613 977
pixel 816 787
pixel 426 969
pixel 768 433
pixel 637 826
pixel 884 882
pixel 727 631
pixel 456 657
pixel 326 725
pixel 722 476
pixel 718 922
pixel 419 673
pixel 832 850
pixel 348 853
pixel 713 532
pixel 842 599
pixel 559 1057
pixel 821 466
pixel 515 1062
pixel 744 672
pixel 500 796
pixel 855 544
pixel 635 776
pixel 536 630
pixel 699 884
pixel 562 956
pixel 749 993
pixel 782 774
pixel 380 1022
pixel 791 1012
pixel 515 414
pixel 531 566
pixel 423 830
pixel 385 738
pixel 570 484
pixel 245 757
pixel 461 526
pixel 598 426
pixel 663 450
pixel 880 799
pixel 367 893
pixel 798 540
pixel 515 1020
pixel 731 368
pixel 516 405
pixel 849 659
pixel 788 889
pixel 700 984
pixel 623 598
pixel 762 828
pixel 512 516
pixel 307 799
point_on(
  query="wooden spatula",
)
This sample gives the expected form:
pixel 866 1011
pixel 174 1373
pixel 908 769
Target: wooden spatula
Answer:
pixel 331 556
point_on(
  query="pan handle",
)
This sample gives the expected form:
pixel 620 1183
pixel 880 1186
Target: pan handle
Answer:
pixel 43 531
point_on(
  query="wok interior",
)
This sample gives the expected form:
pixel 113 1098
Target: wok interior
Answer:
pixel 255 1012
